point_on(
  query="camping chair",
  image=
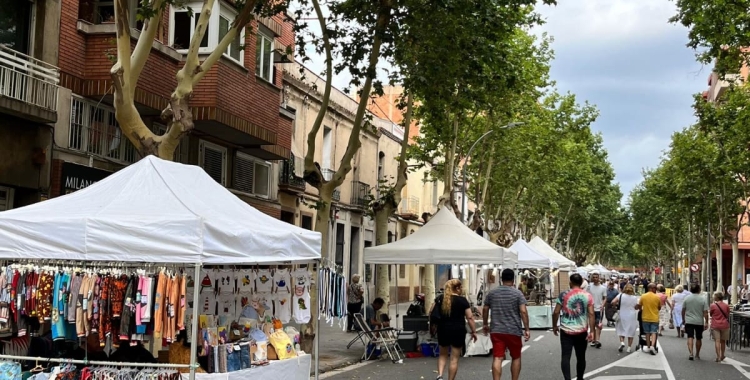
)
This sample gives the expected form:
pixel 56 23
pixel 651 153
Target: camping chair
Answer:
pixel 387 338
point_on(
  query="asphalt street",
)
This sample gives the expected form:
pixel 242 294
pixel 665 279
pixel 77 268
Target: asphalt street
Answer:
pixel 541 360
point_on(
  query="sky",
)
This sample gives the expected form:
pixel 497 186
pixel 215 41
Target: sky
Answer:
pixel 626 58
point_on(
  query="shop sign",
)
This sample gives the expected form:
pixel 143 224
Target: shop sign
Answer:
pixel 76 177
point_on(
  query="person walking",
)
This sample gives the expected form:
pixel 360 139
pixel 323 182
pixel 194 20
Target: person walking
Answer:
pixel 719 312
pixel 627 324
pixel 665 315
pixel 650 304
pixel 574 309
pixel 695 316
pixel 455 312
pixel 354 301
pixel 743 295
pixel 599 294
pixel 609 308
pixel 510 321
pixel 678 299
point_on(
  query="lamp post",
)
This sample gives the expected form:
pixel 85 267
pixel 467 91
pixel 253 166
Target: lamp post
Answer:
pixel 463 169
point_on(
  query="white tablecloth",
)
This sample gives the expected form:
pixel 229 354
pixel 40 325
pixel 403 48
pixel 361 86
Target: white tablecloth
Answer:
pixel 290 369
pixel 540 317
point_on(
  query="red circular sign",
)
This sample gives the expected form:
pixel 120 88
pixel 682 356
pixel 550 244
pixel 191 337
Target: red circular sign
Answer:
pixel 657 270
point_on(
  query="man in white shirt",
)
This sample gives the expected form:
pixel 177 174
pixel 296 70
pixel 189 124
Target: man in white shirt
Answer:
pixel 744 294
pixel 599 293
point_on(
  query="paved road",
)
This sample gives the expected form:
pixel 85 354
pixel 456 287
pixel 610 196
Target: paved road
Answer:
pixel 541 360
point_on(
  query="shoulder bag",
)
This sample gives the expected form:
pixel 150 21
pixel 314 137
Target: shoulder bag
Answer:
pixel 616 316
pixel 722 311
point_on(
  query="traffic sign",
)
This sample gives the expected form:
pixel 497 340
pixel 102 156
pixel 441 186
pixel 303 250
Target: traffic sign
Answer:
pixel 695 268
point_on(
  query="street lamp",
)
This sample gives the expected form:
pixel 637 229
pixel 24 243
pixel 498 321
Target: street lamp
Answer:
pixel 463 169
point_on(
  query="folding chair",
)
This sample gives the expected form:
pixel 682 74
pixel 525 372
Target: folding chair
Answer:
pixel 386 338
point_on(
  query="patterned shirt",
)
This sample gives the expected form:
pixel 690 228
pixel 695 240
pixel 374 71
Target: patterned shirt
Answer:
pixel 574 306
pixel 505 307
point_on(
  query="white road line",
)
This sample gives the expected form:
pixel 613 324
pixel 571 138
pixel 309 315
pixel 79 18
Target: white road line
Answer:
pixel 644 360
pixel 737 365
pixel 628 377
pixel 538 338
pixel 522 350
pixel 345 369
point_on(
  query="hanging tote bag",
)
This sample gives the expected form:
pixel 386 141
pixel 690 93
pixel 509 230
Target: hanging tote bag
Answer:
pixel 282 345
pixel 616 316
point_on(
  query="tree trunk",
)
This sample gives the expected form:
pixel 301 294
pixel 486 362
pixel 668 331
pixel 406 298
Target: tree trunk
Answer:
pixel 719 267
pixel 735 269
pixel 428 285
pixel 322 222
pixel 382 282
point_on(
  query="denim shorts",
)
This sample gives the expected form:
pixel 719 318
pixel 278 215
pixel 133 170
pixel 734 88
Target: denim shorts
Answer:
pixel 245 361
pixel 650 327
pixel 234 362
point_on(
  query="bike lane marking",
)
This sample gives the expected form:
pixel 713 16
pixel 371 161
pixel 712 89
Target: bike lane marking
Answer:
pixel 639 360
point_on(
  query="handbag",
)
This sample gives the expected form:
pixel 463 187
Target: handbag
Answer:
pixel 616 316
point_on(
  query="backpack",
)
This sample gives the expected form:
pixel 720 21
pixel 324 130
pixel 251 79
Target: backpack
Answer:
pixel 436 313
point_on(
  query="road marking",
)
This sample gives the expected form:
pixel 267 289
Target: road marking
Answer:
pixel 639 360
pixel 345 369
pixel 522 350
pixel 628 377
pixel 539 338
pixel 738 366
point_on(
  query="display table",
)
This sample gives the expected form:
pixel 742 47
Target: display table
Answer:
pixel 290 369
pixel 540 317
pixel 739 335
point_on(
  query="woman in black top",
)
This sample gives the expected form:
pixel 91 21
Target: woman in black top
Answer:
pixel 454 311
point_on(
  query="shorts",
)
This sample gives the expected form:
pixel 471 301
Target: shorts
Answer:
pixel 453 336
pixel 694 331
pixel 597 317
pixel 650 327
pixel 722 334
pixel 501 342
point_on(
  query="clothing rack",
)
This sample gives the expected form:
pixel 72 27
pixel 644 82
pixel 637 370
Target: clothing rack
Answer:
pixel 94 362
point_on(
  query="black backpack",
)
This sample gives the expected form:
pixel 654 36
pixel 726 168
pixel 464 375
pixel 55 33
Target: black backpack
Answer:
pixel 436 313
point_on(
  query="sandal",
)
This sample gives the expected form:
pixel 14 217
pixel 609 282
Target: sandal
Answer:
pixel 690 357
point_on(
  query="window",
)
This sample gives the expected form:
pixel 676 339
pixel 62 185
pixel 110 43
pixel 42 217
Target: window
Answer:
pixel 252 175
pixel 15 25
pixel 183 25
pixel 327 148
pixel 402 271
pixel 6 198
pixel 94 130
pixel 213 159
pixel 103 11
pixel 264 56
pixel 307 222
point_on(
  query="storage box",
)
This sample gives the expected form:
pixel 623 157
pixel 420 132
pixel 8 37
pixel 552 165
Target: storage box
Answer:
pixel 407 340
pixel 416 323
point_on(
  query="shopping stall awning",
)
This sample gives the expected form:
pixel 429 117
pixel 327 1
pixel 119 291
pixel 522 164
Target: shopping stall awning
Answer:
pixel 443 240
pixel 529 258
pixel 153 211
pixel 542 247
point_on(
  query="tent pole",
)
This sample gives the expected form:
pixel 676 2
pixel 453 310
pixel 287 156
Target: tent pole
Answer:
pixel 317 329
pixel 195 325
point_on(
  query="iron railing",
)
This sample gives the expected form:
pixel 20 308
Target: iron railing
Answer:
pixel 360 192
pixel 336 195
pixel 409 205
pixel 28 79
pixel 288 175
pixel 327 173
pixel 95 130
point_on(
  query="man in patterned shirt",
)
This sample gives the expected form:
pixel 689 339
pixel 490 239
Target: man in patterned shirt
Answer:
pixel 574 310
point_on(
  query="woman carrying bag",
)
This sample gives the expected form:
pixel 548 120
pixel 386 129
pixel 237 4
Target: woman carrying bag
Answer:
pixel 626 316
pixel 450 313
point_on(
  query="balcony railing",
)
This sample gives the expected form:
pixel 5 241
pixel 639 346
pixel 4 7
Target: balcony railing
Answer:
pixel 327 173
pixel 409 205
pixel 94 130
pixel 360 192
pixel 288 176
pixel 28 79
pixel 336 195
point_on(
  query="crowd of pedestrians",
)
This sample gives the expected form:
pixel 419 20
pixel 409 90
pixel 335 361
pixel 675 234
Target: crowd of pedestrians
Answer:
pixel 578 318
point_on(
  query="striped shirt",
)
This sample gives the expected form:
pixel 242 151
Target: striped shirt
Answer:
pixel 505 303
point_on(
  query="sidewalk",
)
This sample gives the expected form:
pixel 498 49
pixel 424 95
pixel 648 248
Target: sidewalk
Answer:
pixel 333 341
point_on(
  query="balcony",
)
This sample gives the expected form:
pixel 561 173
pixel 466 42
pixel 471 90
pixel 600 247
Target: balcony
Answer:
pixel 327 173
pixel 719 86
pixel 28 86
pixel 288 178
pixel 360 194
pixel 409 206
pixel 336 195
pixel 94 130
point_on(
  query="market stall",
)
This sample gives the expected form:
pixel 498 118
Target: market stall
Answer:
pixel 566 266
pixel 155 212
pixel 535 283
pixel 442 240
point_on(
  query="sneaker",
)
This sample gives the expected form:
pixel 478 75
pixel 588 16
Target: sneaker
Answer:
pixel 439 378
pixel 622 347
pixel 593 344
pixel 598 345
pixel 628 349
pixel 653 352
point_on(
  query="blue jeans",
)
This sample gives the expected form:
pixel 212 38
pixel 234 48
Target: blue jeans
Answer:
pixel 245 356
pixel 234 362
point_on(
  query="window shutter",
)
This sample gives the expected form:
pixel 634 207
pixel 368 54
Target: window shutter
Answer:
pixel 244 172
pixel 213 162
pixel 261 181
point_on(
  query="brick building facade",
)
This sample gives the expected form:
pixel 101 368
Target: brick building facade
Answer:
pixel 241 135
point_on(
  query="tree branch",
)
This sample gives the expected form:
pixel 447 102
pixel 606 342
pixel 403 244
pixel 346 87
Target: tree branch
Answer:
pixel 145 41
pixel 310 167
pixel 121 71
pixel 191 60
pixel 402 167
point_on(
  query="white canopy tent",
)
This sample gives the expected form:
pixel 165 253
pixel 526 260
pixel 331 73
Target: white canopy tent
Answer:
pixel 542 247
pixel 443 240
pixel 529 258
pixel 155 211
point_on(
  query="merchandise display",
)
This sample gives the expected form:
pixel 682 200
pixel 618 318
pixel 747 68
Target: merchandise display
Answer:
pixel 332 293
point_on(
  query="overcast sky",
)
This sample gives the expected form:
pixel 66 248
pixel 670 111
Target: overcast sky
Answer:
pixel 624 57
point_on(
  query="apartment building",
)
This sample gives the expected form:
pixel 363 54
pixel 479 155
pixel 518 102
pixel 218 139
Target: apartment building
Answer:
pixel 242 135
pixel 29 80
